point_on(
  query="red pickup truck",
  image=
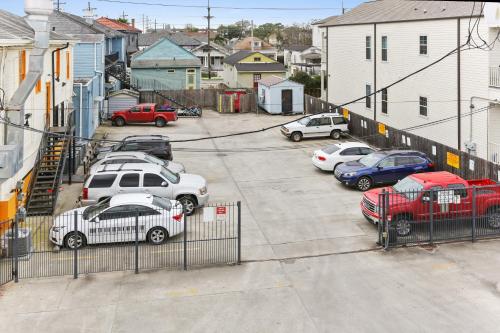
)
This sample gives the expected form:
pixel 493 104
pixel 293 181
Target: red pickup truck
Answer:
pixel 409 201
pixel 145 113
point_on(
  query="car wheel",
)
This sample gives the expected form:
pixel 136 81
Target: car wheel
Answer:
pixel 157 235
pixel 403 226
pixel 335 167
pixel 119 121
pixel 296 136
pixel 75 241
pixel 364 184
pixel 160 122
pixel 335 135
pixel 494 218
pixel 189 204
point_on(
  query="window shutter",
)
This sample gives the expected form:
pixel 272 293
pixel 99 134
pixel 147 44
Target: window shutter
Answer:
pixel 22 65
pixel 68 65
pixel 58 63
pixel 38 87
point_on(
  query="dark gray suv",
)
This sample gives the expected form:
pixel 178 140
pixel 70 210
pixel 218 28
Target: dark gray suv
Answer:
pixel 156 145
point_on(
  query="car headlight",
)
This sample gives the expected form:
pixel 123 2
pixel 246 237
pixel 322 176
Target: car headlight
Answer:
pixel 349 174
pixel 203 190
pixel 285 129
pixel 57 229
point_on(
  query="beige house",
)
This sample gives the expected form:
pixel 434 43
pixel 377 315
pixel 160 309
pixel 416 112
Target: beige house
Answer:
pixel 245 69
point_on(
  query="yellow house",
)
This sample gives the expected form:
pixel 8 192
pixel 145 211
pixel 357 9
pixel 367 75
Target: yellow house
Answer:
pixel 245 69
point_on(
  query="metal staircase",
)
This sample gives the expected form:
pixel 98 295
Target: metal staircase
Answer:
pixel 47 174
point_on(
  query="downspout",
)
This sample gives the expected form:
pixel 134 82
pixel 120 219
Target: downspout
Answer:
pixel 38 18
pixel 80 116
pixel 55 117
pixel 375 72
pixel 459 92
pixel 327 61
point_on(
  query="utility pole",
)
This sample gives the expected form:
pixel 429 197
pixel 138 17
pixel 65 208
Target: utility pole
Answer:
pixel 123 16
pixel 343 9
pixel 209 17
pixel 155 24
pixel 58 4
pixel 143 26
pixel 253 49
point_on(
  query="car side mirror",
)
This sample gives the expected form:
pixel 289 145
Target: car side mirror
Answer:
pixel 164 184
pixel 95 219
pixel 380 167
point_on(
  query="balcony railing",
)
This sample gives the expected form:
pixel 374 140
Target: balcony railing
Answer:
pixel 495 77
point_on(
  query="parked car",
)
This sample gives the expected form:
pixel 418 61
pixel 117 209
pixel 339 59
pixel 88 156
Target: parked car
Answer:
pixel 136 157
pixel 109 180
pixel 382 167
pixel 113 221
pixel 156 145
pixel 328 158
pixel 320 125
pixel 410 199
pixel 145 113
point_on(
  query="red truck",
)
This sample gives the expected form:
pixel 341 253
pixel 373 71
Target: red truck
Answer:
pixel 409 201
pixel 145 113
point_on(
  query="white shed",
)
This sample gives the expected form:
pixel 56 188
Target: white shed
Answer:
pixel 122 99
pixel 279 95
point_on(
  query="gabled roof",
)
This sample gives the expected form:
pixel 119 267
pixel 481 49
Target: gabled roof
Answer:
pixel 178 38
pixel 76 25
pixel 246 44
pixel 238 56
pixel 213 45
pixel 322 21
pixel 260 67
pixel 405 10
pixel 13 27
pixel 164 53
pixel 117 25
pixel 274 80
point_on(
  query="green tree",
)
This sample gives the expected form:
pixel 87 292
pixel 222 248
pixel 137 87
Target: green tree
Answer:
pixel 265 30
pixel 122 20
pixel 309 82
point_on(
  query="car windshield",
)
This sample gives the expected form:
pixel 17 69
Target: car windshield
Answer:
pixel 304 121
pixel 330 149
pixel 155 160
pixel 371 159
pixel 409 188
pixel 162 203
pixel 92 211
pixel 173 177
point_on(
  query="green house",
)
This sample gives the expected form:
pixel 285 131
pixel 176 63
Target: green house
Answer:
pixel 165 66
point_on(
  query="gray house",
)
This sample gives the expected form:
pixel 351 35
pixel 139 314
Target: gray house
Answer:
pixel 167 66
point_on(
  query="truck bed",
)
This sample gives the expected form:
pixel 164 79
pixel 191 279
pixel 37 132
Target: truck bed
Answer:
pixel 481 182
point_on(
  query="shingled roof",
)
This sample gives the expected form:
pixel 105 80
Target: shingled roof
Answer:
pixel 380 11
pixel 260 67
pixel 117 25
pixel 164 54
pixel 76 25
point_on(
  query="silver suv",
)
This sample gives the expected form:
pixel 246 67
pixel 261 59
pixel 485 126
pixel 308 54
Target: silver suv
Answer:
pixel 109 180
pixel 320 125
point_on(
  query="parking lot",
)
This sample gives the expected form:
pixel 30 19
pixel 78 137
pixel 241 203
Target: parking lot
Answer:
pixel 311 263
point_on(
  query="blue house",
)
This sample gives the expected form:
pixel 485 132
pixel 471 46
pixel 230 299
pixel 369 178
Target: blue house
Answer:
pixel 166 66
pixel 97 46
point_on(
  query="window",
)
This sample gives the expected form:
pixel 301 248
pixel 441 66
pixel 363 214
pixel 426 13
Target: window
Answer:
pixel 146 109
pixel 423 45
pixel 325 80
pixel 459 189
pixel 257 59
pixel 314 122
pixel 384 48
pixel 384 101
pixel 118 212
pixel 135 109
pixel 350 152
pixel 366 151
pixel 403 160
pixel 368 99
pixel 388 162
pixel 325 121
pixel 368 47
pixel 171 71
pixel 130 180
pixel 191 71
pixel 257 77
pixel 339 121
pixel 423 106
pixel 152 180
pixel 102 181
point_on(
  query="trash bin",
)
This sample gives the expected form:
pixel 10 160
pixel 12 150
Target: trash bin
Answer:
pixel 23 245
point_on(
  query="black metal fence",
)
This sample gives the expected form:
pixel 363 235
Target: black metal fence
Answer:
pixel 120 239
pixel 440 214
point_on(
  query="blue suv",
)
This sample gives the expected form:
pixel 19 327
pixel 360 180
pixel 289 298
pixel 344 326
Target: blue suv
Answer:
pixel 382 167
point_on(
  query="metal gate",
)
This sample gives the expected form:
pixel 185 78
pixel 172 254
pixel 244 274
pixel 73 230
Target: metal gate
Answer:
pixel 45 246
pixel 6 261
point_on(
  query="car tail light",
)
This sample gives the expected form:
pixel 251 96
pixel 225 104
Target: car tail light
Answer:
pixel 178 217
pixel 430 165
pixel 85 194
pixel 321 158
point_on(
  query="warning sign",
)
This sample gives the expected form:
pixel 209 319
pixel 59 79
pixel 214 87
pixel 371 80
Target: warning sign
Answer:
pixel 346 113
pixel 381 128
pixel 221 210
pixel 453 160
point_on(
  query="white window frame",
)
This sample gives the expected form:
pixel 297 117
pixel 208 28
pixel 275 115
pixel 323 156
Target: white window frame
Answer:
pixel 420 45
pixel 368 47
pixel 386 49
pixel 386 101
pixel 368 99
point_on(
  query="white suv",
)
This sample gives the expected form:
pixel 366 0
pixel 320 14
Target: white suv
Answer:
pixel 114 221
pixel 109 180
pixel 320 125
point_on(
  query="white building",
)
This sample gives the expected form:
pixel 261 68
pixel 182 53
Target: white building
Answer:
pixel 279 95
pixel 217 55
pixel 302 58
pixel 380 42
pixel 319 41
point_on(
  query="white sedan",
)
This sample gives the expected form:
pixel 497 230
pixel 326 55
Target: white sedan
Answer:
pixel 329 157
pixel 114 221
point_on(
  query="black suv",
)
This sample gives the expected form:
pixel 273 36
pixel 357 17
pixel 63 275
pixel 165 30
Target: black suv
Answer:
pixel 156 145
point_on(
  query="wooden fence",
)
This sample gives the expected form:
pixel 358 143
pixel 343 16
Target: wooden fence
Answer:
pixel 206 98
pixel 382 136
pixel 227 103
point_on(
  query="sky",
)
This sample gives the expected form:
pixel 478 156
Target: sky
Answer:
pixel 179 17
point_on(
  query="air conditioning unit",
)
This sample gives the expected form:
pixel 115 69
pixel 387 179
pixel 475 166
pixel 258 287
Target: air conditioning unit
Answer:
pixel 10 161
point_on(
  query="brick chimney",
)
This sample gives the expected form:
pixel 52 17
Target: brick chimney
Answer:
pixel 133 22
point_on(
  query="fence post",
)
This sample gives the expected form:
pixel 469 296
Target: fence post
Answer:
pixel 136 242
pixel 239 232
pixel 431 213
pixel 15 271
pixel 185 243
pixel 474 213
pixel 75 248
pixel 380 224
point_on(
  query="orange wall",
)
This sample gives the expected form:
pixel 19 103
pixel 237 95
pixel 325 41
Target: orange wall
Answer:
pixel 8 207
